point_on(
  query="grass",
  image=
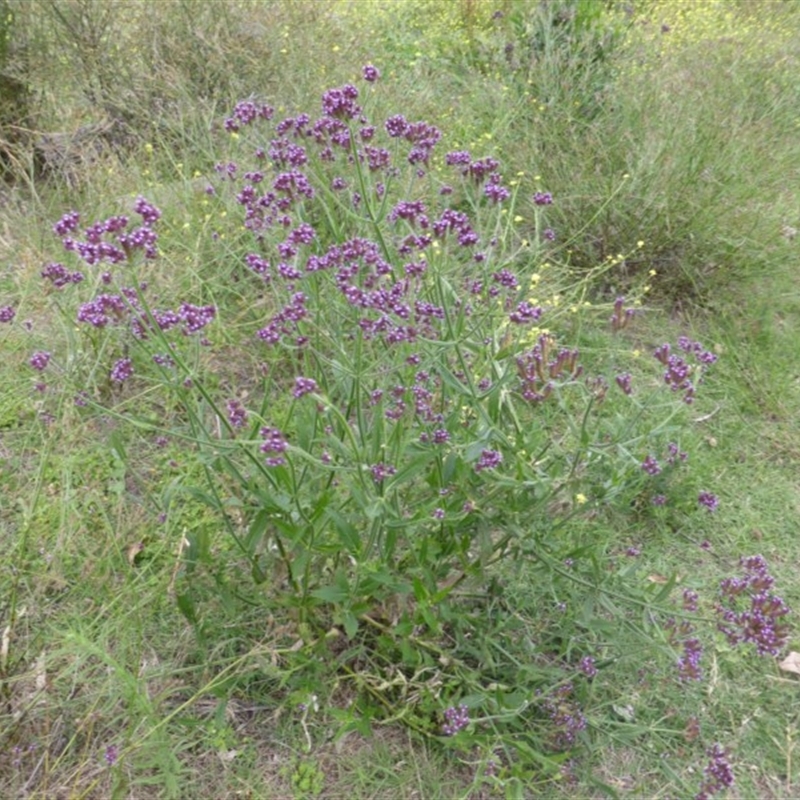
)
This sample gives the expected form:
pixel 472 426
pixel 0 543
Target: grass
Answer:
pixel 685 140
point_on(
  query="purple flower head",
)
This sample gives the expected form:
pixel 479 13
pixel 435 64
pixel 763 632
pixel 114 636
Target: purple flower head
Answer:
pixel 39 360
pixel 543 198
pixel 525 313
pixel 587 667
pixel 565 715
pixel 381 471
pixel 710 501
pixel 549 235
pixel 370 73
pixel 340 103
pixel 496 193
pixel 111 755
pixel 689 662
pixel 455 720
pixel 148 212
pixel 68 223
pixel 7 313
pixel 195 318
pixel 274 442
pixel 59 276
pixel 651 466
pixel 717 775
pixel 245 113
pixel 490 459
pixel 122 370
pixel 761 623
pixel 396 126
pixel 237 414
pixel 624 382
pixel 621 316
pixel 303 386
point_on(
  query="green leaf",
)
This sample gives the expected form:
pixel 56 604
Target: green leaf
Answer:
pixel 330 594
pixel 421 593
pixel 256 531
pixel 350 622
pixel 257 573
pixel 186 607
pixel 347 533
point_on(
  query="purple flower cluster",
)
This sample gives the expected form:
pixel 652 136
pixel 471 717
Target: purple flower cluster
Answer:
pixel 303 386
pixel 455 720
pixel 761 619
pixel 689 663
pixel 381 471
pixel 104 309
pixel 651 466
pixel 565 715
pixel 122 370
pixel 621 316
pixel 587 667
pixel 717 775
pixel 111 755
pixel 195 318
pixel 681 634
pixel 274 442
pixel 422 136
pixel 678 374
pixel 490 459
pixel 245 113
pixel 710 501
pixel 237 413
pixel 285 322
pixel 105 241
pixel 341 103
pixel 540 366
pixel 370 73
pixel 525 313
pixel 39 360
pixel 60 276
pixel 674 455
pixel 7 313
pixel 624 382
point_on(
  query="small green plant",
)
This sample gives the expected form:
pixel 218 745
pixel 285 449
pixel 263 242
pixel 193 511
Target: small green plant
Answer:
pixel 307 780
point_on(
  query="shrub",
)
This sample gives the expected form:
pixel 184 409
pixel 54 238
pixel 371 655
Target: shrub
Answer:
pixel 424 437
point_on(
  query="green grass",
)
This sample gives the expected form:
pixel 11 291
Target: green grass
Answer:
pixel 692 151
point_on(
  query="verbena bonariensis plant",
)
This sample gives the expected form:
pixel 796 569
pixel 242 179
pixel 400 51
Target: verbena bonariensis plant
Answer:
pixel 423 426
